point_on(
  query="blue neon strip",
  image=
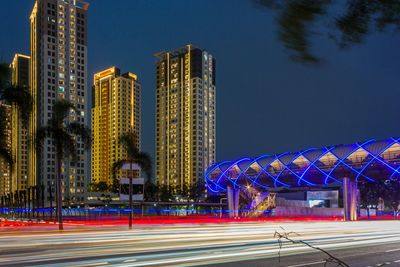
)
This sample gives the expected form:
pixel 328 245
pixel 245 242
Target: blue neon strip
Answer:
pixel 223 179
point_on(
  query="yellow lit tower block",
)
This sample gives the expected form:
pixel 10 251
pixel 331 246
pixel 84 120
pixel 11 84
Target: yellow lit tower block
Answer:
pixel 5 171
pixel 116 110
pixel 58 71
pixel 185 116
pixel 20 77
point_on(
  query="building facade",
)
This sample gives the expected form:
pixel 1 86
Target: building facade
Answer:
pixel 115 111
pixel 58 71
pixel 185 116
pixel 5 170
pixel 20 77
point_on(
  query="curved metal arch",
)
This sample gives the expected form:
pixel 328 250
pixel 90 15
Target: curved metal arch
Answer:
pixel 294 173
pixel 377 158
pixel 300 176
pixel 313 164
pixel 341 160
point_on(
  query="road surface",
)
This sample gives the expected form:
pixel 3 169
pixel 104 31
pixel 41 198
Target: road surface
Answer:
pixel 366 243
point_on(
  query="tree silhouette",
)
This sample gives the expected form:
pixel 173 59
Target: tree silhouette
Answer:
pixel 151 191
pixel 13 96
pixel 134 156
pixel 64 135
pixel 392 193
pixel 347 23
pixel 370 193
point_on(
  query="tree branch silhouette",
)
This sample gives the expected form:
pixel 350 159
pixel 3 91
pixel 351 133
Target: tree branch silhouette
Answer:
pixel 286 236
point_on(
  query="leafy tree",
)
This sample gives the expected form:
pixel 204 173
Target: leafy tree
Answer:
pixel 151 191
pixel 195 191
pixel 164 193
pixel 91 187
pixel 106 199
pixel 347 23
pixel 63 134
pixel 392 193
pixel 370 193
pixel 388 190
pixel 99 187
pixel 199 190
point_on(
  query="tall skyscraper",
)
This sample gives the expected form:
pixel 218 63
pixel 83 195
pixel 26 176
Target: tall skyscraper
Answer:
pixel 116 111
pixel 5 171
pixel 185 116
pixel 20 77
pixel 59 71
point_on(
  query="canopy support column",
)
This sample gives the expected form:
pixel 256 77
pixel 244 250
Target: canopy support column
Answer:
pixel 233 201
pixel 350 199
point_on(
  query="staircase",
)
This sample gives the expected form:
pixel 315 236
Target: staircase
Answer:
pixel 268 203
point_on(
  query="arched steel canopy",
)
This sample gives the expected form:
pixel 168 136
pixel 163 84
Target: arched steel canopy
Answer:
pixel 368 161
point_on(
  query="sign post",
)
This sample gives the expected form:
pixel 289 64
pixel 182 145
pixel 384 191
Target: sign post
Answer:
pixel 131 180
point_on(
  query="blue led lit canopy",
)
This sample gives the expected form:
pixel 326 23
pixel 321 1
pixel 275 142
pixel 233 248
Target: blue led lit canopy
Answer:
pixel 367 161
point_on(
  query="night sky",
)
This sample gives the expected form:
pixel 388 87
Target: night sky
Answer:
pixel 266 104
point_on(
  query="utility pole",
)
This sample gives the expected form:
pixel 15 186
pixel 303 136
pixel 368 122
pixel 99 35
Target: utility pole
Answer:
pixel 130 198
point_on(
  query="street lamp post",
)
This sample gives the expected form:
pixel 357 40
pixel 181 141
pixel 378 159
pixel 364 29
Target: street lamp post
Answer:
pixel 130 197
pixel 220 207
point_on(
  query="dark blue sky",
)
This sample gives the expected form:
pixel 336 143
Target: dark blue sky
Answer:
pixel 266 104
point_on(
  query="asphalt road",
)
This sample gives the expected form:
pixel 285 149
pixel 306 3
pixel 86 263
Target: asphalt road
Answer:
pixel 373 243
pixel 362 256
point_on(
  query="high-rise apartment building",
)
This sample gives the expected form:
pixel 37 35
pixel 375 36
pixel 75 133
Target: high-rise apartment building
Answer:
pixel 185 116
pixel 5 170
pixel 116 111
pixel 58 71
pixel 20 77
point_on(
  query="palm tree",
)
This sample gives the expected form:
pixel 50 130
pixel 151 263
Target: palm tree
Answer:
pixel 14 96
pixel 63 134
pixel 134 156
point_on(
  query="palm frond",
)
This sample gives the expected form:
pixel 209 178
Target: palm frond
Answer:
pixel 67 145
pixel 4 76
pixel 115 167
pixel 145 163
pixel 61 109
pixel 19 96
pixel 82 131
pixel 41 134
pixel 129 141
